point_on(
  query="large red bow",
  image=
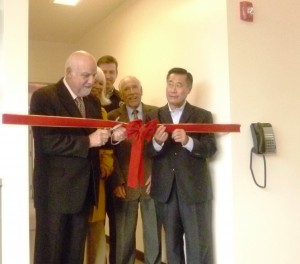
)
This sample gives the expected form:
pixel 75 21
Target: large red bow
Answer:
pixel 138 132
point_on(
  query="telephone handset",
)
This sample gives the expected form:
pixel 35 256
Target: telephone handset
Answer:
pixel 263 138
pixel 263 142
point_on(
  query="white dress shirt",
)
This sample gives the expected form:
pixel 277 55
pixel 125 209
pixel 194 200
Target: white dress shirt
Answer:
pixel 176 115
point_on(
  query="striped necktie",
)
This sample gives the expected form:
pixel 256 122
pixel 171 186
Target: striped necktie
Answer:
pixel 80 104
pixel 135 114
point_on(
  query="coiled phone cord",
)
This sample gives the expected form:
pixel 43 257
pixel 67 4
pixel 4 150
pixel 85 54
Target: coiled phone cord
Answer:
pixel 265 171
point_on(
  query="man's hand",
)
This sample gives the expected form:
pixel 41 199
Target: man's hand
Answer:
pixel 180 136
pixel 160 136
pixel 120 192
pixel 118 134
pixel 99 137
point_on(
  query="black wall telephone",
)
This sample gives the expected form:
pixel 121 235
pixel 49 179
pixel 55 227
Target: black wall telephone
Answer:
pixel 263 142
pixel 263 138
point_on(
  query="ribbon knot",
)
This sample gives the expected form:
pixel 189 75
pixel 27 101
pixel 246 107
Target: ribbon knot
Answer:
pixel 138 132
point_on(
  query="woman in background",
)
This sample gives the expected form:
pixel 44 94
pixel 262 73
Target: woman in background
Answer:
pixel 96 242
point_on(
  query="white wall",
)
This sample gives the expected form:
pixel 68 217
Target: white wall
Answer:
pixel 13 139
pixel 264 81
pixel 44 66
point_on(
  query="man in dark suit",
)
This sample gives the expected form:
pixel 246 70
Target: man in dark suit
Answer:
pixel 128 199
pixel 66 166
pixel 181 185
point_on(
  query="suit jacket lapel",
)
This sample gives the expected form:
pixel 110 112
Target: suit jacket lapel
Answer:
pixel 187 112
pixel 164 115
pixel 146 109
pixel 69 104
pixel 89 108
pixel 66 100
pixel 123 113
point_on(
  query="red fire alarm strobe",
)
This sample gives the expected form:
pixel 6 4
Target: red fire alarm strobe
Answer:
pixel 246 11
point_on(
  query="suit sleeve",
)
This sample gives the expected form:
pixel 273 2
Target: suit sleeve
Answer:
pixel 204 143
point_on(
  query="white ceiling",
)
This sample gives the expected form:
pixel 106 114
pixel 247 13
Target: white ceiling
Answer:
pixel 66 24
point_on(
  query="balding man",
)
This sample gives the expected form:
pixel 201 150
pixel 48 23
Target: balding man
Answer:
pixel 66 166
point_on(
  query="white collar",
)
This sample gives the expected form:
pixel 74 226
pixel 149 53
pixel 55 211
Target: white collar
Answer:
pixel 130 109
pixel 177 109
pixel 74 96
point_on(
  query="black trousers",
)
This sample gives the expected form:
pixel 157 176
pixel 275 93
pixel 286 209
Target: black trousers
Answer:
pixel 192 221
pixel 60 238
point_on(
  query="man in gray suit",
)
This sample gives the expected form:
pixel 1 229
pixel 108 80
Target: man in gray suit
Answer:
pixel 66 165
pixel 181 185
pixel 128 199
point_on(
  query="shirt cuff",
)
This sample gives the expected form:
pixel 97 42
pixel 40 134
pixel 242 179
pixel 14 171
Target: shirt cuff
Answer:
pixel 156 146
pixel 189 145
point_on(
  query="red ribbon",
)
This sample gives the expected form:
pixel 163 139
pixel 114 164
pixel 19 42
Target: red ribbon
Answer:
pixel 61 121
pixel 56 121
pixel 138 132
pixel 135 130
pixel 203 128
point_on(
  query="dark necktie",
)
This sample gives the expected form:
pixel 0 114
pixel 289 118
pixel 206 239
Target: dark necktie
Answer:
pixel 80 104
pixel 135 114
